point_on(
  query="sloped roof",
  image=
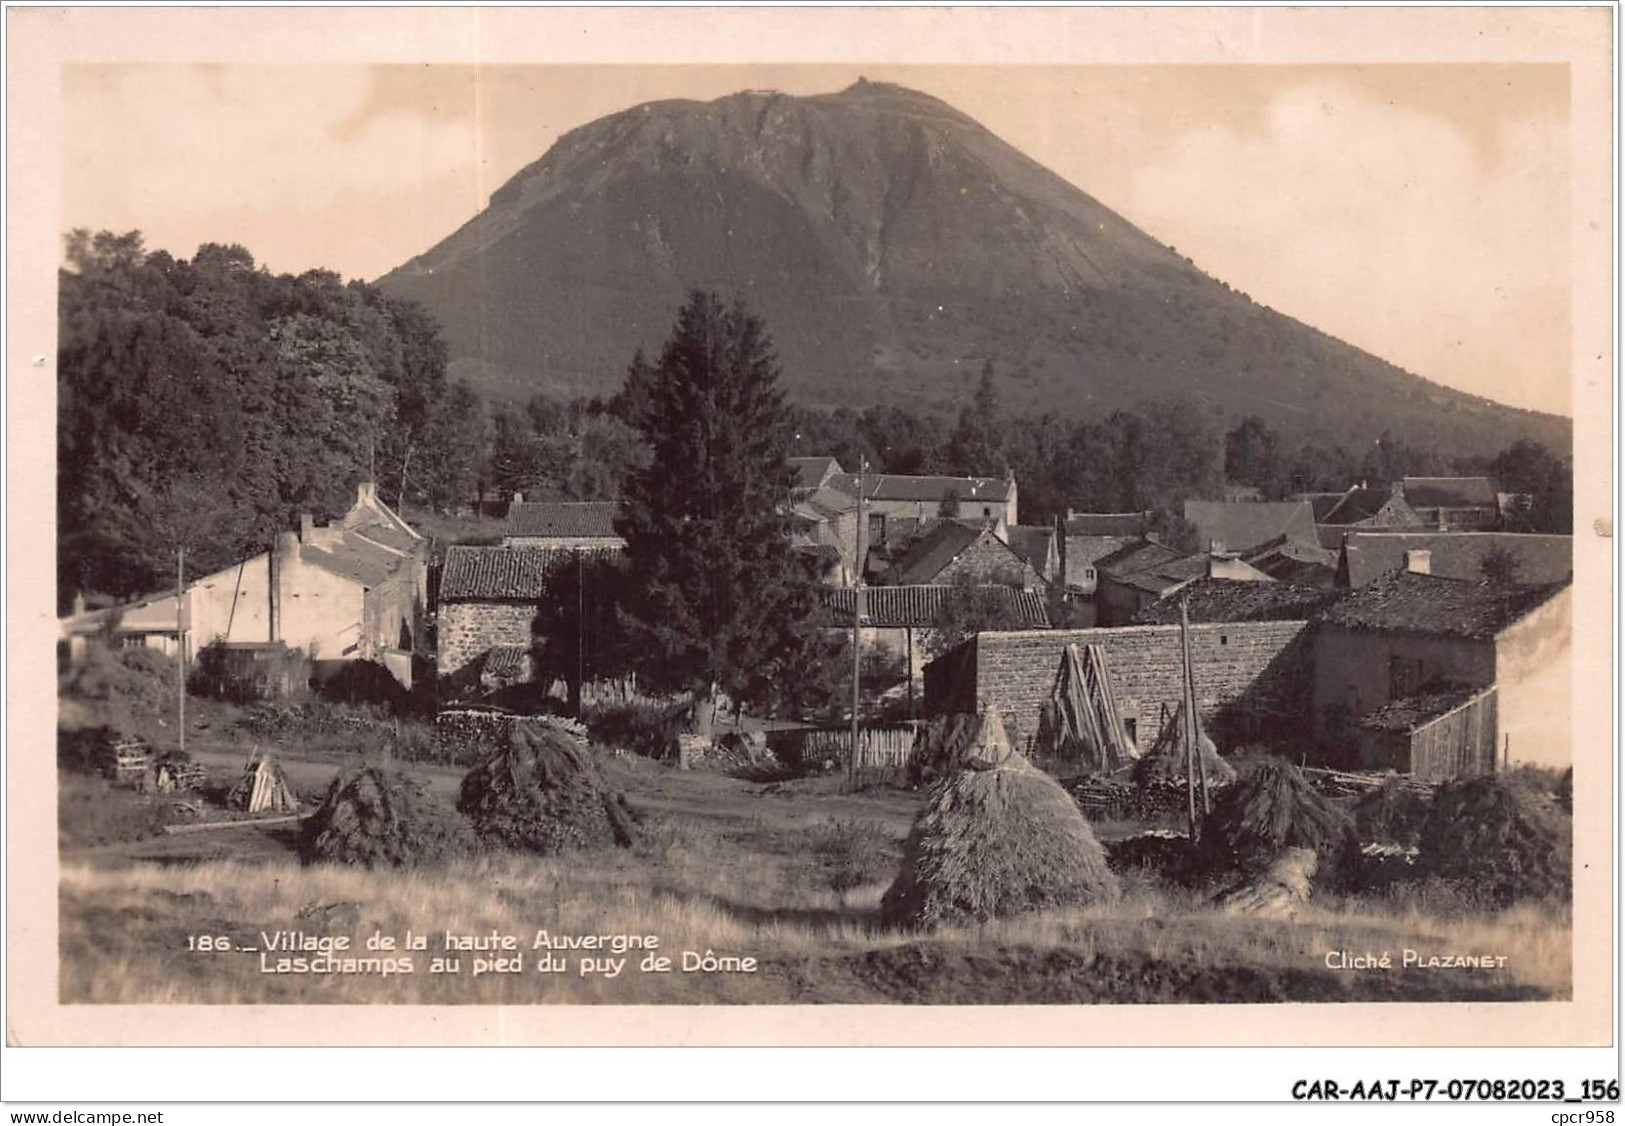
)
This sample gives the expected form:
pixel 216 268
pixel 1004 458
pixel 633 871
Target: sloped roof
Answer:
pixel 387 535
pixel 928 556
pixel 1120 524
pixel 563 519
pixel 1136 555
pixel 1033 542
pixel 1408 713
pixel 352 557
pixel 1428 604
pixel 499 574
pixel 1242 527
pixel 1321 503
pixel 1086 551
pixel 811 471
pixel 1357 504
pixel 897 607
pixel 824 503
pixel 506 660
pixel 1231 600
pixel 894 486
pixel 1458 555
pixel 1450 492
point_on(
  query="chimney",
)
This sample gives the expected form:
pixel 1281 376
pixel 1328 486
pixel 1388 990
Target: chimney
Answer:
pixel 366 494
pixel 519 498
pixel 78 603
pixel 307 528
pixel 1215 547
pixel 1397 489
pixel 1419 561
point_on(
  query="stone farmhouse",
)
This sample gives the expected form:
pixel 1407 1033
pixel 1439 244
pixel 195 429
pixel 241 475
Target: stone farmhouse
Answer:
pixel 351 590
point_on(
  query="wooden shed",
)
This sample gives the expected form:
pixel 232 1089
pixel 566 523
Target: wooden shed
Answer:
pixel 1435 735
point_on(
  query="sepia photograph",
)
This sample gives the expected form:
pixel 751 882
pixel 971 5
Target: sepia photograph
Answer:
pixel 901 531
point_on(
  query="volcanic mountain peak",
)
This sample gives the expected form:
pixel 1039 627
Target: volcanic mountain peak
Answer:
pixel 891 243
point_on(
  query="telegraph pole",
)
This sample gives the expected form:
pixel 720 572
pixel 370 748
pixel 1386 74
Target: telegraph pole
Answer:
pixel 180 643
pixel 862 537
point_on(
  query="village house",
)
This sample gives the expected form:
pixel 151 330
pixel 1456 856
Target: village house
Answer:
pixel 954 552
pixel 813 472
pixel 898 620
pixel 351 590
pixel 1090 537
pixel 1362 507
pixel 1454 504
pixel 1135 580
pixel 1242 527
pixel 1534 559
pixel 827 530
pixel 588 524
pixel 1293 561
pixel 1442 677
pixel 485 606
pixel 892 497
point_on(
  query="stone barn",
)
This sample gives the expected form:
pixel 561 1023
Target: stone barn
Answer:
pixel 1252 678
pixel 487 600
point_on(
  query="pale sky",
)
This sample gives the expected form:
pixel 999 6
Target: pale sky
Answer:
pixel 1418 211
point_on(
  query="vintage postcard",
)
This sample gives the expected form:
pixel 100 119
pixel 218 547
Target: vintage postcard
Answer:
pixel 879 527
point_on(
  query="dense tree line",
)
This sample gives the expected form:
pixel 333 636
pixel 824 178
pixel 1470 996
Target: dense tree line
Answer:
pixel 206 403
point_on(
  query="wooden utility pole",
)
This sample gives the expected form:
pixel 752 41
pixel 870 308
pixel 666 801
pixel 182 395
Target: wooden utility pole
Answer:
pixel 1188 728
pixel 862 545
pixel 180 644
pixel 581 632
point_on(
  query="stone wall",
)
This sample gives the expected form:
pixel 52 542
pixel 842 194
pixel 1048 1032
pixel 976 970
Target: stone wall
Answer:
pixel 467 629
pixel 1252 678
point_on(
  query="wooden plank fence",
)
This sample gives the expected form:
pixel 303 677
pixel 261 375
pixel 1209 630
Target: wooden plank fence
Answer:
pixel 880 746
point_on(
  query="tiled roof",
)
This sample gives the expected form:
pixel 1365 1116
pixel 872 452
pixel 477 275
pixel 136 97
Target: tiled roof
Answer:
pixel 927 557
pixel 1230 600
pixel 1458 555
pixel 395 538
pixel 1033 543
pixel 1357 504
pixel 1136 555
pixel 562 519
pixel 1411 712
pixel 824 504
pixel 1242 527
pixel 893 486
pixel 1427 604
pixel 1330 536
pixel 1121 524
pixel 896 607
pixel 811 471
pixel 1450 492
pixel 1291 561
pixel 500 574
pixel 353 558
pixel 1321 503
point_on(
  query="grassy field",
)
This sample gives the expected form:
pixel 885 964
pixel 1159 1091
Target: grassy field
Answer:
pixel 789 874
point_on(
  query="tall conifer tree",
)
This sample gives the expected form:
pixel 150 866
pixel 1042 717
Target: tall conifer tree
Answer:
pixel 717 598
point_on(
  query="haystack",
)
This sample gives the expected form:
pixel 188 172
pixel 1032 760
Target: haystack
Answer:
pixel 1271 809
pixel 1164 764
pixel 958 741
pixel 1278 891
pixel 542 792
pixel 996 842
pixel 376 816
pixel 1079 725
pixel 263 788
pixel 1497 839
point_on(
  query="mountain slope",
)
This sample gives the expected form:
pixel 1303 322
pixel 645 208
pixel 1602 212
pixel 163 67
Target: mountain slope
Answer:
pixel 891 244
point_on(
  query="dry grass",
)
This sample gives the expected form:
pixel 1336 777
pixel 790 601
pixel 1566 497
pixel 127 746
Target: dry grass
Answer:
pixel 124 933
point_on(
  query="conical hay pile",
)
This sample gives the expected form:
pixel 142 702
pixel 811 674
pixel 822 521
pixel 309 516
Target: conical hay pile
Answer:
pixel 1164 763
pixel 995 843
pixel 378 817
pixel 1484 832
pixel 959 741
pixel 541 792
pixel 1271 809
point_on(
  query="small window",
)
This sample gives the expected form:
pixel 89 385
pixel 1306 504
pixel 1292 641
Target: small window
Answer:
pixel 1223 640
pixel 986 511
